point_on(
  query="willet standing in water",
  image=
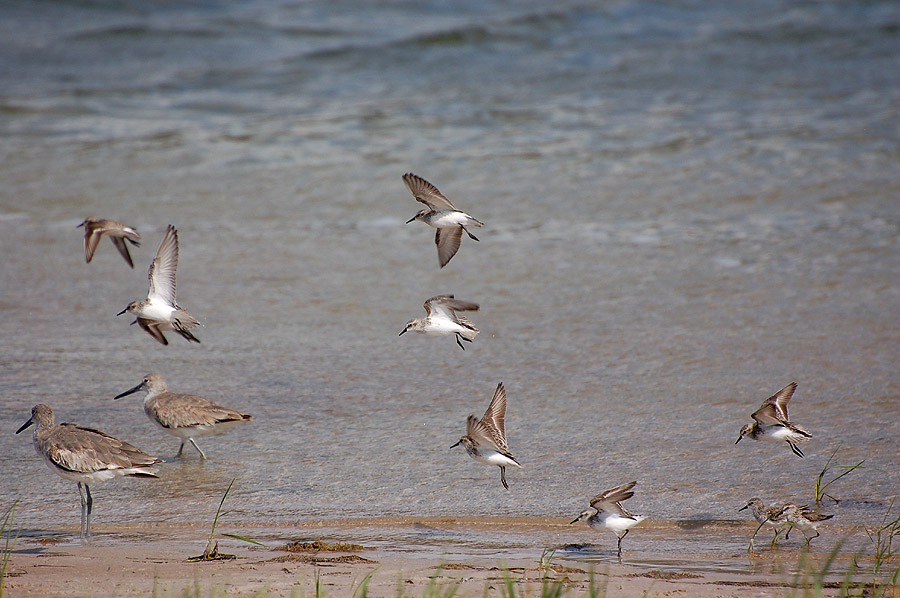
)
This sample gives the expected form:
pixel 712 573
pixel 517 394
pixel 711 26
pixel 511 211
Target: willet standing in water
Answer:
pixel 159 311
pixel 118 233
pixel 771 422
pixel 485 439
pixel 85 456
pixel 441 319
pixel 184 416
pixel 442 215
pixel 606 512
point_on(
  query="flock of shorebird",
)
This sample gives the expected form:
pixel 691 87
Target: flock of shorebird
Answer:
pixel 86 455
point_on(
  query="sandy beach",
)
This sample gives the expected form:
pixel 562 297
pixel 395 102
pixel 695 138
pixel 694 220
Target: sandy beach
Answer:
pixel 141 560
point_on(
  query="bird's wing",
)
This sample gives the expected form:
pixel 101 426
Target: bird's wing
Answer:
pixel 437 304
pixel 494 418
pixel 774 409
pixel 447 241
pixel 119 242
pixel 152 329
pixel 480 434
pixel 815 516
pixel 87 450
pixel 178 411
pixel 426 193
pixel 162 270
pixel 613 508
pixel 781 400
pixel 447 306
pixel 92 234
pixel 612 496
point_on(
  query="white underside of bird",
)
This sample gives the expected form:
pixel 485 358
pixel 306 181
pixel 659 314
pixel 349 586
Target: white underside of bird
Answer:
pixel 451 218
pixel 157 309
pixel 492 457
pixel 779 434
pixel 436 326
pixel 614 522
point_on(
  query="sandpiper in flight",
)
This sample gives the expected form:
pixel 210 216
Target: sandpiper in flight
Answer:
pixel 441 319
pixel 771 421
pixel 485 439
pixel 85 456
pixel 442 215
pixel 607 512
pixel 184 416
pixel 773 516
pixel 804 518
pixel 118 233
pixel 159 311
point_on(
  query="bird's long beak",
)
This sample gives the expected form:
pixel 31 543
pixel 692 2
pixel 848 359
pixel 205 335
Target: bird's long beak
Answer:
pixel 26 424
pixel 129 392
pixel 575 520
pixel 403 331
pixel 457 443
pixel 411 219
pixel 739 439
pixel 744 507
pixel 122 312
pixel 79 225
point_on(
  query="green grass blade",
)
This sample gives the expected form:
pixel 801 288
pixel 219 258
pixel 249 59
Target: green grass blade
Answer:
pixel 244 538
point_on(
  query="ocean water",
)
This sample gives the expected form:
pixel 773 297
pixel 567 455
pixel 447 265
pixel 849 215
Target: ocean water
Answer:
pixel 687 205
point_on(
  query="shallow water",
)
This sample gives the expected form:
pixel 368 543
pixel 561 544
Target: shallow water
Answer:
pixel 687 206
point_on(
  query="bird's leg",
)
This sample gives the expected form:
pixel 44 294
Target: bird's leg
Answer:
pixel 503 477
pixel 809 539
pixel 458 342
pixel 471 236
pixel 787 534
pixel 774 537
pixel 758 527
pixel 197 447
pixel 180 449
pixel 83 507
pixel 90 508
pixel 619 544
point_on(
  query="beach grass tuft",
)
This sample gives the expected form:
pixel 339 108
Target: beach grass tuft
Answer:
pixel 212 546
pixel 820 492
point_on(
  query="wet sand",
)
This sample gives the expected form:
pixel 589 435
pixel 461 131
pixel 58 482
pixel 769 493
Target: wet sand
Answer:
pixel 404 555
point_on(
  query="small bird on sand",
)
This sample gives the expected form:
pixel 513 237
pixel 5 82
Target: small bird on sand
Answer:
pixel 118 233
pixel 485 439
pixel 159 311
pixel 771 422
pixel 442 215
pixel 607 512
pixel 85 455
pixel 441 319
pixel 772 516
pixel 804 518
pixel 184 416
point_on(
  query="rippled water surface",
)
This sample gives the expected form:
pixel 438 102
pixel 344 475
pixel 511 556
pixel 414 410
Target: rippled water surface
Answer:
pixel 687 205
